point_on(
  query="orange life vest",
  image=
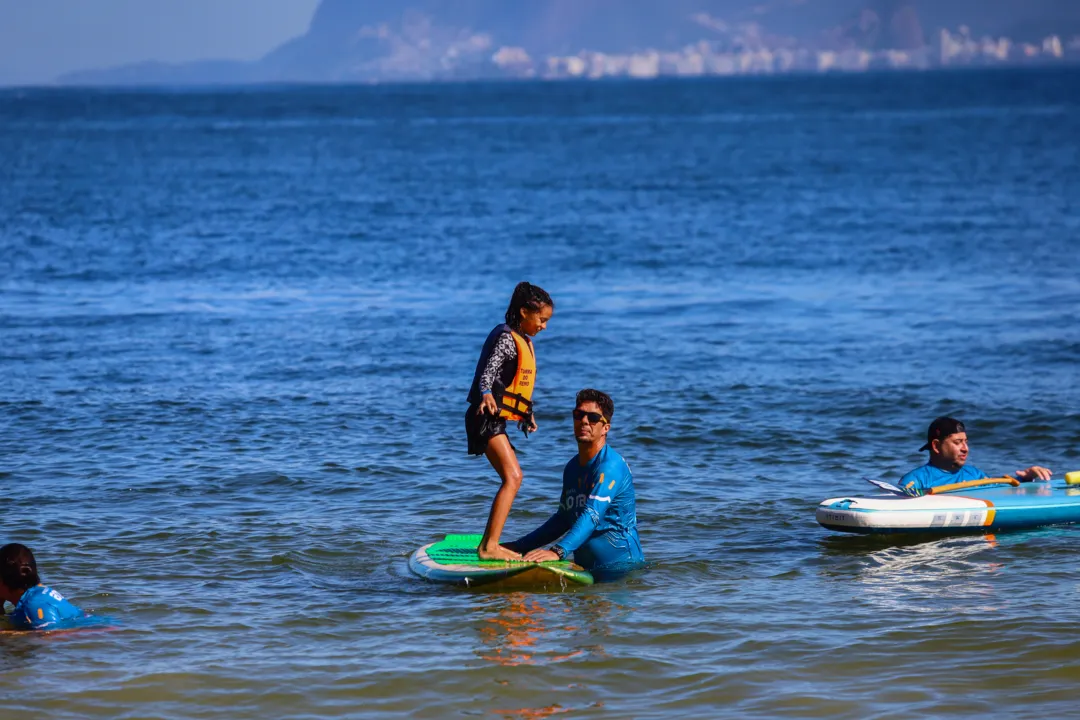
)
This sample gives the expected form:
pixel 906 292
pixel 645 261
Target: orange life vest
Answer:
pixel 516 402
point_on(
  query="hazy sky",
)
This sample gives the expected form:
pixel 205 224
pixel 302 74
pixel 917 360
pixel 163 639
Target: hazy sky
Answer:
pixel 40 39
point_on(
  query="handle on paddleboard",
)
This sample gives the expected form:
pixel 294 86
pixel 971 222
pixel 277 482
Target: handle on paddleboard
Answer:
pixel 972 484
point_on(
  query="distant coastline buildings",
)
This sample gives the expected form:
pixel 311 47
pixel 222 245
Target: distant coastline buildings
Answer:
pixel 747 52
pixel 365 41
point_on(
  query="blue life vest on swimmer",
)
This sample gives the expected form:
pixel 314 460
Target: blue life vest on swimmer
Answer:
pixel 513 387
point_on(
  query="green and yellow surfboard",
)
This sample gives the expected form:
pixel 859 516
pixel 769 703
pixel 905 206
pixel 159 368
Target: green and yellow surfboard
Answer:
pixel 453 560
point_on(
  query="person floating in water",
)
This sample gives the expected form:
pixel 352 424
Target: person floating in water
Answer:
pixel 37 607
pixel 502 389
pixel 947 441
pixel 597 516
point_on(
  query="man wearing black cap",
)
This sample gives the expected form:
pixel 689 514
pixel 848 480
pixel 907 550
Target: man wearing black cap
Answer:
pixel 946 439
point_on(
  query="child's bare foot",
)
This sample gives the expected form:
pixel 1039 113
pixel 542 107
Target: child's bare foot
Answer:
pixel 497 552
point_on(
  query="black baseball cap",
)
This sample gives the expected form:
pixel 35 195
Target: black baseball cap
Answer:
pixel 942 428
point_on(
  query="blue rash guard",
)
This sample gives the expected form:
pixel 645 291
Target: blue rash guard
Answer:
pixel 596 513
pixel 42 608
pixel 921 479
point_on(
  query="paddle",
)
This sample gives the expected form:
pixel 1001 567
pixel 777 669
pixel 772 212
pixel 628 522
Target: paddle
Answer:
pixel 885 486
pixel 971 484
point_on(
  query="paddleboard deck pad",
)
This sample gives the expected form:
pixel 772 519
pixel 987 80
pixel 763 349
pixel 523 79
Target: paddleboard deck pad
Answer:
pixel 986 509
pixel 453 560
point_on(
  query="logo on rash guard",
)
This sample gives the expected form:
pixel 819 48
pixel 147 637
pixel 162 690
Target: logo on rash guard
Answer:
pixel 574 502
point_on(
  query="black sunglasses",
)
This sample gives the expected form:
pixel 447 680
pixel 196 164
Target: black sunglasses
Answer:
pixel 594 417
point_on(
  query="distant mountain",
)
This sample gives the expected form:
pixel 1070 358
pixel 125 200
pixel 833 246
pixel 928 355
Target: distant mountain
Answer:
pixel 369 40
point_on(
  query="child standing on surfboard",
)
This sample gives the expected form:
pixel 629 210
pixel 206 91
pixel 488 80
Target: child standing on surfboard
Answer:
pixel 502 389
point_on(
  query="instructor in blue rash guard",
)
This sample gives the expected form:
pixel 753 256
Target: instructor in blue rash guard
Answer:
pixel 947 441
pixel 597 518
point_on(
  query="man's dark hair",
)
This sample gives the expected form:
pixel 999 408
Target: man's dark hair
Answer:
pixel 607 405
pixel 18 569
pixel 527 296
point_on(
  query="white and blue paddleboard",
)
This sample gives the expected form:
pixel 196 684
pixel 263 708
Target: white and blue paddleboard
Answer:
pixel 984 509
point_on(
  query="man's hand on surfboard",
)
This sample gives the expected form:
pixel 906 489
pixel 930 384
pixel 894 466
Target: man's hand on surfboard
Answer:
pixel 540 555
pixel 1035 472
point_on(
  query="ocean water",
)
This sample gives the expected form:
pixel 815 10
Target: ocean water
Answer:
pixel 237 328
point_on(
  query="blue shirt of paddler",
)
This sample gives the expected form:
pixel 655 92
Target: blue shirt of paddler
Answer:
pixel 42 608
pixel 921 479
